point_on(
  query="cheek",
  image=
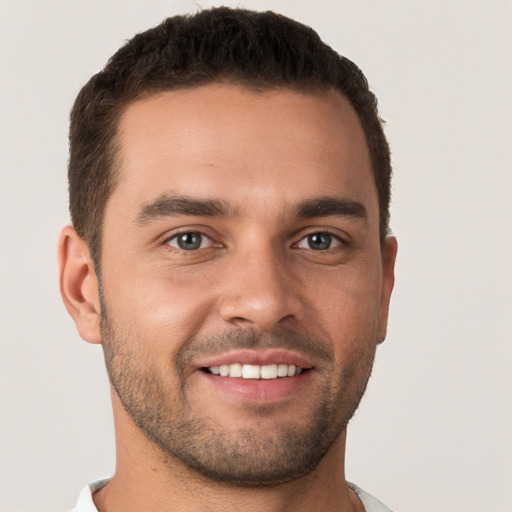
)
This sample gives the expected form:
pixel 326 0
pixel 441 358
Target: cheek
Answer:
pixel 349 296
pixel 346 309
pixel 164 311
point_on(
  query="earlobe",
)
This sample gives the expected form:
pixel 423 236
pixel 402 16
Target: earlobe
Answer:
pixel 79 284
pixel 389 251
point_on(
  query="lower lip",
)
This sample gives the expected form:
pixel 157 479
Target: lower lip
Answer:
pixel 258 390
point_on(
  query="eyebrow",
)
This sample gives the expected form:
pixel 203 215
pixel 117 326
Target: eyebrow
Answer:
pixel 168 206
pixel 171 205
pixel 331 206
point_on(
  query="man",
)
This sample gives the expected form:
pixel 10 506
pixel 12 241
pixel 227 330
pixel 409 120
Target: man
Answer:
pixel 229 191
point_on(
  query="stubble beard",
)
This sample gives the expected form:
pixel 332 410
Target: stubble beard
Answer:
pixel 251 456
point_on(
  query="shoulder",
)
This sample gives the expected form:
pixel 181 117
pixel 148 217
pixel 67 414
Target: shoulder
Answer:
pixel 370 503
pixel 85 502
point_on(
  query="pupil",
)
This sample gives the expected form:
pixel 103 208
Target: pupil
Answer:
pixel 319 241
pixel 189 241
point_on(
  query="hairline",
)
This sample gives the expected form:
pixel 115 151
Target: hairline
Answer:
pixel 113 143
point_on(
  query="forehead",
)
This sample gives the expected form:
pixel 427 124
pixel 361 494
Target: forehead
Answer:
pixel 213 140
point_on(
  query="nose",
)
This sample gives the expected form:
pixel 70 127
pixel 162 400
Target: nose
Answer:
pixel 260 291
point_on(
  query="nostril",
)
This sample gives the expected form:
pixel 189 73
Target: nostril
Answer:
pixel 259 306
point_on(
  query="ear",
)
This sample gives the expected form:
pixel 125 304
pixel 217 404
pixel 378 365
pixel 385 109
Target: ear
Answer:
pixel 389 250
pixel 79 284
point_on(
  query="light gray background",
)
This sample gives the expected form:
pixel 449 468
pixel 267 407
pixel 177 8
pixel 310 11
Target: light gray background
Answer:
pixel 433 432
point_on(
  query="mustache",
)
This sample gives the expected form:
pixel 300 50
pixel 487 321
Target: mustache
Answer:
pixel 218 343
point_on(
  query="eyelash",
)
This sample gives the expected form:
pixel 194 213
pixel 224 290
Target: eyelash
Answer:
pixel 176 236
pixel 334 235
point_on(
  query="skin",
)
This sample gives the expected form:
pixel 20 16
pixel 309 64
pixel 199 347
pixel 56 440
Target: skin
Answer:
pixel 166 309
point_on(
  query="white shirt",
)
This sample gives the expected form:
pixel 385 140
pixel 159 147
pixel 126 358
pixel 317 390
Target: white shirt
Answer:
pixel 85 502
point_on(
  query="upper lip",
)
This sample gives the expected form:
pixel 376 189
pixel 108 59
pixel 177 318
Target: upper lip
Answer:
pixel 257 357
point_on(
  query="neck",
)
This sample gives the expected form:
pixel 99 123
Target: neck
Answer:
pixel 146 479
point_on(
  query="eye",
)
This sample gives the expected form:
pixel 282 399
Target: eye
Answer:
pixel 319 241
pixel 189 241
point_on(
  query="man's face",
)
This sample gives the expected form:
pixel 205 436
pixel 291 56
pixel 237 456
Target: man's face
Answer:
pixel 242 238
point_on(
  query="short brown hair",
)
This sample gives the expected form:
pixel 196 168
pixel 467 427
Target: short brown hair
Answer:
pixel 261 50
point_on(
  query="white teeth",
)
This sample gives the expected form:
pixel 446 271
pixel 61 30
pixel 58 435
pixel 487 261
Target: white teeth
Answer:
pixel 269 371
pixel 282 370
pixel 235 370
pixel 253 371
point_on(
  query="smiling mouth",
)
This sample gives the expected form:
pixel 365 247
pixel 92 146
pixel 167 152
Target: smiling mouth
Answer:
pixel 253 371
